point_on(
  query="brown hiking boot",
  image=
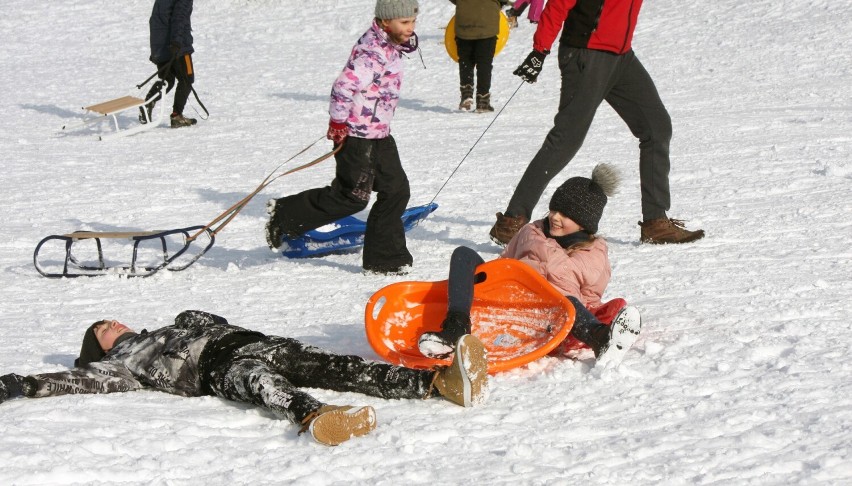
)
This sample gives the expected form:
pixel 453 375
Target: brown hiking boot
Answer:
pixel 506 228
pixel 666 230
pixel 465 381
pixel 333 424
pixel 179 120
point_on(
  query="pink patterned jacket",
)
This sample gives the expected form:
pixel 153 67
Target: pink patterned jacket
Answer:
pixel 584 273
pixel 366 93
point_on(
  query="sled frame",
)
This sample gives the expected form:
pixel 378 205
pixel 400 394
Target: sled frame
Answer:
pixel 111 108
pixel 72 268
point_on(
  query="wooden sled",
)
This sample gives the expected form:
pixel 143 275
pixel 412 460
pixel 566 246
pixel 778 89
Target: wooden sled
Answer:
pixel 516 313
pixel 72 265
pixel 344 233
pixel 111 108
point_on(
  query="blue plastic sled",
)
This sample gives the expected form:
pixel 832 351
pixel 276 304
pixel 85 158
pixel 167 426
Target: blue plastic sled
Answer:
pixel 346 233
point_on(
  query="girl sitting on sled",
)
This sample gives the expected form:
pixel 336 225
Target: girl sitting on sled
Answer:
pixel 565 249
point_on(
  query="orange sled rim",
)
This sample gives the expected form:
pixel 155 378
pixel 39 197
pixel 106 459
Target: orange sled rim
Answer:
pixel 516 313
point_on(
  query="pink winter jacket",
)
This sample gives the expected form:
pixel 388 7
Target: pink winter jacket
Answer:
pixel 366 93
pixel 584 273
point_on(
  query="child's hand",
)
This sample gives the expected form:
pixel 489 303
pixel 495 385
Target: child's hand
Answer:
pixel 337 132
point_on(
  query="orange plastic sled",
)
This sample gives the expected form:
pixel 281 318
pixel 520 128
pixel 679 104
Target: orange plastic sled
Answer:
pixel 516 313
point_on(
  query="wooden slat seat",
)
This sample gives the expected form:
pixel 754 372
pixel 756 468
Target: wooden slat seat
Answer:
pixel 116 105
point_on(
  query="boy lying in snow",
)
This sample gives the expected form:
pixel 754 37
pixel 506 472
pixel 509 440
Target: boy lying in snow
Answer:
pixel 201 354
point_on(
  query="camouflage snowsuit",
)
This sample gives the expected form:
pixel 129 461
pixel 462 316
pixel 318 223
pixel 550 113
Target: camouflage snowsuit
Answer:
pixel 201 354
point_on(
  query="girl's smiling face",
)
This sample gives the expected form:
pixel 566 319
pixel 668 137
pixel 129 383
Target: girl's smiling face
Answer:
pixel 561 225
pixel 399 30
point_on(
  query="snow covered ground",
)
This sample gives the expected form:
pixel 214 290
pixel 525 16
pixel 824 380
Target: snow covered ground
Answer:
pixel 742 374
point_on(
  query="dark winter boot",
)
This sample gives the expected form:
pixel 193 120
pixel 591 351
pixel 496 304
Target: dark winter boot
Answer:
pixel 332 424
pixel 147 109
pixel 274 232
pixel 483 103
pixel 666 230
pixel 466 103
pixel 439 345
pixel 465 381
pixel 178 120
pixel 506 228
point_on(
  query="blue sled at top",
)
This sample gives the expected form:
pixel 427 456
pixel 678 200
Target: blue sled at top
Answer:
pixel 347 232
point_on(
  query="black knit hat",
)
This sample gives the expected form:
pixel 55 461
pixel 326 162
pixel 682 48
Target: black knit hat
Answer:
pixel 91 350
pixel 583 199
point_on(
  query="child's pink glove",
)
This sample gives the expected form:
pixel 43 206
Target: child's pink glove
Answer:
pixel 337 132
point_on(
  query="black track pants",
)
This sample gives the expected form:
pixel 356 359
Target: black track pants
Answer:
pixel 588 78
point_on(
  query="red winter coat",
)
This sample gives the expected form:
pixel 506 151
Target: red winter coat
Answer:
pixel 584 273
pixel 603 25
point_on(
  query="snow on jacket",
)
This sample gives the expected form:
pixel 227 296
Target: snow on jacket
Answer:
pixel 536 6
pixel 166 360
pixel 477 19
pixel 170 23
pixel 366 93
pixel 584 273
pixel 603 25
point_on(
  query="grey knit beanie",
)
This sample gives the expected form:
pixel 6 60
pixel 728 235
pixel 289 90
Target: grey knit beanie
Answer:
pixel 396 9
pixel 583 199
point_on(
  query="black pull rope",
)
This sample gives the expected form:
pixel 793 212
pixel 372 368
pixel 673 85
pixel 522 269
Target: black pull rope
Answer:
pixel 476 142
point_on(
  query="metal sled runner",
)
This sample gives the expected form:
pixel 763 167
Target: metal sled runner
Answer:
pixel 111 108
pixel 69 262
pixel 154 242
pixel 516 313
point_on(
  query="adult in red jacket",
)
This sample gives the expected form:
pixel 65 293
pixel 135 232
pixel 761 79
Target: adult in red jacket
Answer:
pixel 597 64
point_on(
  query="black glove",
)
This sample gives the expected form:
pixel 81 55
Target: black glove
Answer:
pixel 11 386
pixel 531 67
pixel 174 47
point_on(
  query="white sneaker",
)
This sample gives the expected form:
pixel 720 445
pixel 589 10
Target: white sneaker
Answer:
pixel 624 331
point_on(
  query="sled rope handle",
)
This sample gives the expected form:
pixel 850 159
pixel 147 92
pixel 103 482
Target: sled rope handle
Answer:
pixel 232 211
pixel 476 142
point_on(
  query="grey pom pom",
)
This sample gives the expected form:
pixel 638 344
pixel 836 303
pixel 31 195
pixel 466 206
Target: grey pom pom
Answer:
pixel 606 176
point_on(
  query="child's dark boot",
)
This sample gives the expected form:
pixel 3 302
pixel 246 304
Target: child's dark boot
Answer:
pixel 439 345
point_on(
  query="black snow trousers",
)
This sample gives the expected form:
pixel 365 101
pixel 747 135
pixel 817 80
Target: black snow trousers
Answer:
pixel 271 372
pixel 363 166
pixel 590 77
pixel 587 328
pixel 478 54
pixel 181 69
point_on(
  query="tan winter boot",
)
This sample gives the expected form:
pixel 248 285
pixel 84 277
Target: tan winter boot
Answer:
pixel 332 424
pixel 465 381
pixel 483 103
pixel 506 228
pixel 666 230
pixel 466 103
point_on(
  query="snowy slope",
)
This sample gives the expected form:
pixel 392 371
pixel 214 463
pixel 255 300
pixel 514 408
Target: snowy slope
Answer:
pixel 741 376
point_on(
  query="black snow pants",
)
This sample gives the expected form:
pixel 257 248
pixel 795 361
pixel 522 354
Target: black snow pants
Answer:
pixel 181 69
pixel 363 166
pixel 587 328
pixel 590 77
pixel 479 54
pixel 271 372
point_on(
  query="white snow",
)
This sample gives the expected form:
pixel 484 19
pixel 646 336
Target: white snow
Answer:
pixel 742 372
